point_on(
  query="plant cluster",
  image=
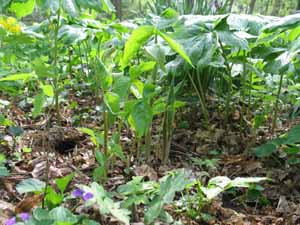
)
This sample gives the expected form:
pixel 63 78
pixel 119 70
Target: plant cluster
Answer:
pixel 134 73
pixel 153 196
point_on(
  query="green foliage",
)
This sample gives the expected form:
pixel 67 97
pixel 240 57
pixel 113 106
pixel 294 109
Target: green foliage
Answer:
pixel 15 77
pixel 220 184
pixel 22 9
pixel 38 104
pixel 289 141
pixel 103 158
pixel 62 183
pixel 169 185
pixel 3 170
pixel 30 185
pixel 59 215
pixel 106 204
pixel 140 117
pixel 233 61
pixel 176 47
pixel 137 39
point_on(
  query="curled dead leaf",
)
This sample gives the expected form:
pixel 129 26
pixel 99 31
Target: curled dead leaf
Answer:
pixel 146 171
pixel 283 205
pixel 28 203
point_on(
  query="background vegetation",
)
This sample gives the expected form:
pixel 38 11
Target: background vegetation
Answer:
pixel 149 112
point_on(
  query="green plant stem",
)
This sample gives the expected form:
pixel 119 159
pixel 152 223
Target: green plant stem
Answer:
pixel 106 153
pixel 166 150
pixel 204 110
pixel 81 59
pixel 86 56
pixel 132 151
pixel 250 97
pixel 276 104
pixel 201 91
pixel 229 94
pixel 56 84
pixel 105 119
pixel 70 62
pixel 243 90
pixel 46 170
pixel 98 86
pixel 148 141
pixel 138 150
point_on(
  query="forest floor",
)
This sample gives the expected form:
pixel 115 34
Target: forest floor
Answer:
pixel 221 153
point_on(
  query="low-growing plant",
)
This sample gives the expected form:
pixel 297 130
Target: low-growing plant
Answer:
pixel 203 195
pixel 3 170
pixel 104 158
pixel 288 143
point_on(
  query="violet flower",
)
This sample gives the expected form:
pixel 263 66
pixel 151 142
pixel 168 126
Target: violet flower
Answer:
pixel 87 196
pixel 78 193
pixel 24 216
pixel 11 221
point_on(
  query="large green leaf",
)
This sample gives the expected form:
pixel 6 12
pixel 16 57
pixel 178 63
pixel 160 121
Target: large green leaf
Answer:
pixel 22 9
pixel 103 75
pixel 38 104
pixel 251 24
pixel 155 209
pixel 90 4
pixel 137 88
pixel 157 52
pixel 136 71
pixel 63 216
pixel 52 197
pixel 121 86
pixel 4 4
pixel 216 186
pixel 293 136
pixel 176 47
pixel 173 183
pixel 48 90
pixel 62 183
pixel 137 39
pixel 30 185
pixel 284 23
pixel 220 184
pixel 169 185
pixel 49 5
pixel 107 6
pixel 246 182
pixel 265 150
pixel 72 34
pixel 19 76
pixel 70 7
pixel 107 205
pixel 282 62
pixel 231 39
pixel 3 171
pixel 140 118
pixel 98 5
pixel 112 101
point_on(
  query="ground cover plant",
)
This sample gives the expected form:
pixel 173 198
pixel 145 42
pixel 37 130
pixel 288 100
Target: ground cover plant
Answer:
pixel 163 117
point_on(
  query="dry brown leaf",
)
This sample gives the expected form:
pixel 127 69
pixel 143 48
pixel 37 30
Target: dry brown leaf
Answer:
pixel 283 205
pixel 146 171
pixel 9 186
pixel 252 165
pixel 39 169
pixel 6 207
pixel 236 116
pixel 28 203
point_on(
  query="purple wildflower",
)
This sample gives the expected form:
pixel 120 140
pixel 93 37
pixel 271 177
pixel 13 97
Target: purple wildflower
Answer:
pixel 78 193
pixel 24 216
pixel 87 196
pixel 11 221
